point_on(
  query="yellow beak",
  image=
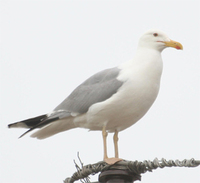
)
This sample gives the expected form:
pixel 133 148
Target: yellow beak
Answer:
pixel 174 44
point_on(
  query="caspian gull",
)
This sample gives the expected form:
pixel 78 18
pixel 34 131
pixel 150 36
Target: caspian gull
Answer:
pixel 111 100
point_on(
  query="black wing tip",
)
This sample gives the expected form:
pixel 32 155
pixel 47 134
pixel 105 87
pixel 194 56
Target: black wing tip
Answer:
pixel 23 134
pixel 9 126
pixel 39 126
pixel 28 123
pixel 32 123
pixel 20 136
pixel 12 125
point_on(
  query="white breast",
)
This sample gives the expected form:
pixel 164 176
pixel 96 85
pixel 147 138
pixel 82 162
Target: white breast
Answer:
pixel 141 79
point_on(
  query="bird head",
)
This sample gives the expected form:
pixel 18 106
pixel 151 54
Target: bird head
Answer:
pixel 156 39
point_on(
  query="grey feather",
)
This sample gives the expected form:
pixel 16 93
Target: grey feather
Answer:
pixel 97 88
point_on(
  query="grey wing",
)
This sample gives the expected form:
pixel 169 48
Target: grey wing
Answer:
pixel 97 88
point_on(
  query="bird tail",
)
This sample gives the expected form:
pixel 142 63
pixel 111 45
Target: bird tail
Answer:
pixel 48 126
pixel 33 123
pixel 60 125
pixel 28 123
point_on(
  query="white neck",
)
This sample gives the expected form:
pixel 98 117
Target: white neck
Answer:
pixel 147 62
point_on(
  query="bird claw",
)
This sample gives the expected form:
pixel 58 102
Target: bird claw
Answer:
pixel 112 161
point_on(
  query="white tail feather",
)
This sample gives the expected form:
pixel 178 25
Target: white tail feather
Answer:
pixel 54 128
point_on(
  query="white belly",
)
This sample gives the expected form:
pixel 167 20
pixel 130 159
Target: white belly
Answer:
pixel 124 108
pixel 129 104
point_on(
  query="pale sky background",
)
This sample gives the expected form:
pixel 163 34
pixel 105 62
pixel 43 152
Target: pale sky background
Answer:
pixel 50 47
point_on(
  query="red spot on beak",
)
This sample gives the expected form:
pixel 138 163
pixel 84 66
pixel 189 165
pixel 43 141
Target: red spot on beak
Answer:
pixel 178 48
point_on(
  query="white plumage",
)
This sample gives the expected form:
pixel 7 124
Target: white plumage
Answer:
pixel 111 100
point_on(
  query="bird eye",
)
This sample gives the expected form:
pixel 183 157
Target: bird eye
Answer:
pixel 155 34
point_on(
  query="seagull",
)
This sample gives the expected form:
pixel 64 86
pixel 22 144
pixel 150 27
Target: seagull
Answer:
pixel 111 100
